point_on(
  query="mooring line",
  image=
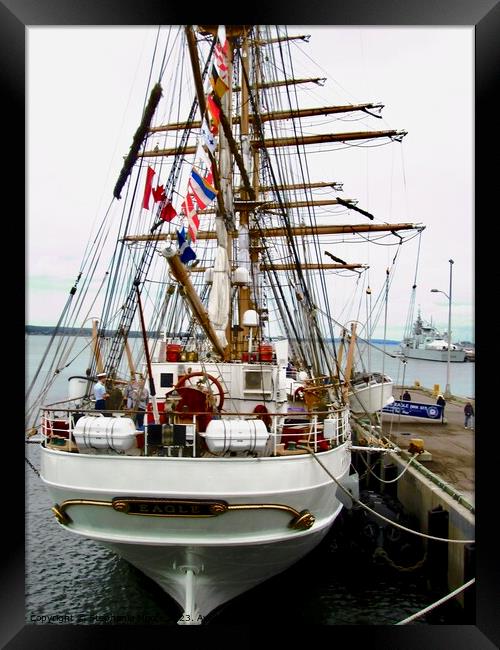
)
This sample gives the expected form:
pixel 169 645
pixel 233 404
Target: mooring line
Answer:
pixel 32 466
pixel 389 521
pixel 438 602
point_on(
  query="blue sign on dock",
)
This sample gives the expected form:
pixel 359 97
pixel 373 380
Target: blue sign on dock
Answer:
pixel 415 410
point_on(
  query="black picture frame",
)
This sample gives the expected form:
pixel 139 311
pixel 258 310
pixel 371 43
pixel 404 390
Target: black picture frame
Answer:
pixel 18 15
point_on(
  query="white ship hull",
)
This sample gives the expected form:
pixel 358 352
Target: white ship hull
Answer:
pixel 217 573
pixel 433 355
pixel 200 561
pixel 371 398
pixel 363 398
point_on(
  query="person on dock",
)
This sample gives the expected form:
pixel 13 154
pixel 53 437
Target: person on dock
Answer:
pixel 441 402
pixel 406 396
pixel 468 415
pixel 100 392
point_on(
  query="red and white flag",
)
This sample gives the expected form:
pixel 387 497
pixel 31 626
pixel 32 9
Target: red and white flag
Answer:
pixel 221 55
pixel 193 219
pixel 219 76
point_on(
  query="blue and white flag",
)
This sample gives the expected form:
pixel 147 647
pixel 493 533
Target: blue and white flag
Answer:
pixel 207 137
pixel 186 253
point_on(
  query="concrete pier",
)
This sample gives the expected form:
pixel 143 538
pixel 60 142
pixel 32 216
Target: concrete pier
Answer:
pixel 450 445
pixel 442 480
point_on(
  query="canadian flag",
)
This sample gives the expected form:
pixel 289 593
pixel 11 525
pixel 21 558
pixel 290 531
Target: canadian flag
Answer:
pixel 168 212
pixel 147 190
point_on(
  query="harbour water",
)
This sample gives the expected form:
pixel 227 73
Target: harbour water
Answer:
pixel 426 373
pixel 70 580
pixel 382 358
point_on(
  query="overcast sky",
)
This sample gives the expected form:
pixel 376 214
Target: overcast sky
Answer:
pixel 86 89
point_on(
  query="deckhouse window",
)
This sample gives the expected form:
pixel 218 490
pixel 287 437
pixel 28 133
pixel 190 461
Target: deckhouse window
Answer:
pixel 166 379
pixel 257 381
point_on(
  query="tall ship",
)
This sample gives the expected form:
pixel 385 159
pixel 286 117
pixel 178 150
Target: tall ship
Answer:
pixel 192 459
pixel 428 343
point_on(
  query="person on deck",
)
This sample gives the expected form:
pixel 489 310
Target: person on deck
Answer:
pixel 100 392
pixel 137 399
pixel 407 396
pixel 468 415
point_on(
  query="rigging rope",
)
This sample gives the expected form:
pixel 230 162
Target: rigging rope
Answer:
pixel 411 307
pixel 56 330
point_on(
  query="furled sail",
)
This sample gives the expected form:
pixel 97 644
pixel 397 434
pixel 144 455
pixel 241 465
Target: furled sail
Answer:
pixel 219 302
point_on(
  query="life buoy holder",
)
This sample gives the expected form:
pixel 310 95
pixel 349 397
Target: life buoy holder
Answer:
pixel 263 414
pixel 299 393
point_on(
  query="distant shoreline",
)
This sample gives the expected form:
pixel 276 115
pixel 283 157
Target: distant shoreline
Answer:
pixel 47 330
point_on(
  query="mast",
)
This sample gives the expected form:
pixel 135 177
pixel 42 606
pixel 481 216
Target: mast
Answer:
pixel 96 347
pixel 323 138
pixel 275 115
pixel 152 389
pixel 290 267
pixel 195 65
pixel 130 360
pixel 300 231
pixel 246 257
pixel 256 218
pixel 349 363
pixel 180 273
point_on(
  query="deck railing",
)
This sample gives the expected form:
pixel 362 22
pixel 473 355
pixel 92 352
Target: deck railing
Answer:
pixel 289 433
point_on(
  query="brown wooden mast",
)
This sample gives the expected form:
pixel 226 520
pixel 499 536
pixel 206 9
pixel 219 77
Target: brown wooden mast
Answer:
pixel 244 301
pixel 274 115
pixel 195 64
pixel 268 206
pixel 349 364
pixel 297 231
pixel 285 82
pixel 340 355
pixel 152 388
pixel 283 39
pixel 326 138
pixel 301 204
pixel 311 266
pixel 128 351
pixel 316 111
pixel 303 186
pixel 304 231
pixel 290 142
pixel 181 274
pixel 290 267
pixel 97 347
pixel 177 268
